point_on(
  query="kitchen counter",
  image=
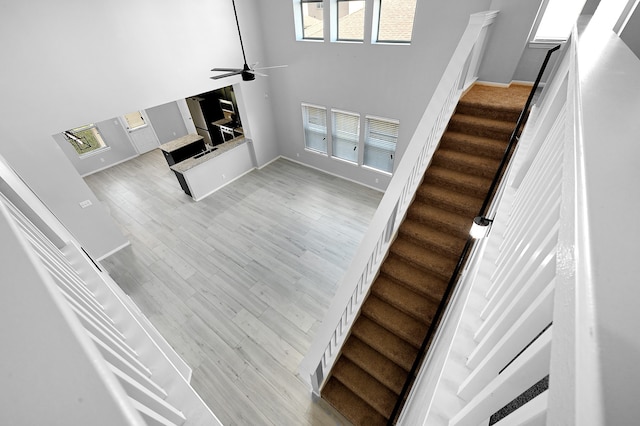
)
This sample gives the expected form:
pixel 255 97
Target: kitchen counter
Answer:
pixel 192 162
pixel 182 148
pixel 181 142
pixel 205 173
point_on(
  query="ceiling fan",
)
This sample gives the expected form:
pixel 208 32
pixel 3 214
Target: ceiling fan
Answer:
pixel 248 73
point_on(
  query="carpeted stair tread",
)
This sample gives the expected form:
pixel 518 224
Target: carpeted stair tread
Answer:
pixel 423 258
pixel 444 243
pixel 457 181
pixel 385 342
pixel 501 98
pixel 473 144
pixel 396 321
pixel 416 279
pixel 358 381
pixel 502 113
pixel 373 362
pixel 350 405
pixel 442 220
pixel 480 126
pixel 402 298
pixel 463 204
pixel 466 163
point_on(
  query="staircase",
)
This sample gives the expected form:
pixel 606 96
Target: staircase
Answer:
pixel 376 358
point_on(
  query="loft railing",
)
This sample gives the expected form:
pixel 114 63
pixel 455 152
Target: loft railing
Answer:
pixel 75 349
pixel 522 324
pixel 459 74
pixel 469 243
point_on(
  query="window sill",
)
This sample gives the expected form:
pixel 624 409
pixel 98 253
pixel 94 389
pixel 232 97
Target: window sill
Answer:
pixel 353 163
pixel 546 44
pixel 312 40
pixel 391 43
pixel 94 152
pixel 316 152
pixel 373 169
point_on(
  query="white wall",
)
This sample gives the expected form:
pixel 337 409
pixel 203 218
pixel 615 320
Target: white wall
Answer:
pixel 71 62
pixel 114 135
pixel 508 40
pixel 383 80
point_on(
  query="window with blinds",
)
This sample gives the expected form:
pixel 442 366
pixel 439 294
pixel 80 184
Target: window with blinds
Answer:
pixel 381 136
pixel 315 127
pixel 345 135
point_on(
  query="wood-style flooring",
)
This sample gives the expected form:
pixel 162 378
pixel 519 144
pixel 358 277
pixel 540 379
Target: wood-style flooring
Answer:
pixel 239 282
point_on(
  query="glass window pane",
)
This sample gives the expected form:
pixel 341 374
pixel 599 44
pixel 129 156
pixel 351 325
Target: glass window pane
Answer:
pixel 396 20
pixel 312 20
pixel 346 132
pixel 351 20
pixel 85 139
pixel 134 120
pixel 380 144
pixel 315 128
pixel 558 19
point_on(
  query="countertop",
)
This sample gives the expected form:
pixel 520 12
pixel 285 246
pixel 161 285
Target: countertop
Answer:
pixel 180 142
pixel 192 162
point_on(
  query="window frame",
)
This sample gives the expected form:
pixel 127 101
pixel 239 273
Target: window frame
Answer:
pixel 337 21
pixel 70 135
pixel 367 137
pixel 377 16
pixel 335 138
pixel 305 127
pixel 544 43
pixel 302 15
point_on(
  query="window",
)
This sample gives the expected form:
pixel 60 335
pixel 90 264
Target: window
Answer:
pixel 315 128
pixel 557 20
pixel 350 20
pixel 134 120
pixel 345 135
pixel 312 19
pixel 395 20
pixel 85 139
pixel 381 136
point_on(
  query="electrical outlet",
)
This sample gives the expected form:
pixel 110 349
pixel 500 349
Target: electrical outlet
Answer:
pixel 224 177
pixel 84 204
pixel 174 134
pixel 101 160
pixel 376 180
pixel 297 154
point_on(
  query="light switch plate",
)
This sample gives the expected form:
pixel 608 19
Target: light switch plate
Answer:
pixel 84 204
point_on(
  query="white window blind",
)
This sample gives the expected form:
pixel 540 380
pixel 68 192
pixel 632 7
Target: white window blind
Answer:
pixel 380 142
pixel 315 127
pixel 346 132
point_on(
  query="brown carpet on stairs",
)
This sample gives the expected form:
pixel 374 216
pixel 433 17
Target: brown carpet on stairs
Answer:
pixel 367 378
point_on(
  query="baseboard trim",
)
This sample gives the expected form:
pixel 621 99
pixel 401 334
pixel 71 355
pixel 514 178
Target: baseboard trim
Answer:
pixel 506 85
pixel 109 166
pixel 117 249
pixel 331 174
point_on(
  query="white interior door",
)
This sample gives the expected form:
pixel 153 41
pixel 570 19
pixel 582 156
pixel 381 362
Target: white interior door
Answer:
pixel 142 135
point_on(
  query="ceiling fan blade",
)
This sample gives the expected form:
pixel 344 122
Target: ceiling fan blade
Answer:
pixel 226 69
pixel 268 68
pixel 260 74
pixel 216 77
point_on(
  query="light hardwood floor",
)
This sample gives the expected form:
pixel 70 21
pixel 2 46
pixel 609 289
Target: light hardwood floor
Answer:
pixel 239 282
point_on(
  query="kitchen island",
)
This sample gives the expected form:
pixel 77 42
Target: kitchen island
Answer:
pixel 208 171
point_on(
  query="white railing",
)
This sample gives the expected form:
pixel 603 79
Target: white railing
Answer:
pixel 459 74
pixel 527 321
pixel 93 358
